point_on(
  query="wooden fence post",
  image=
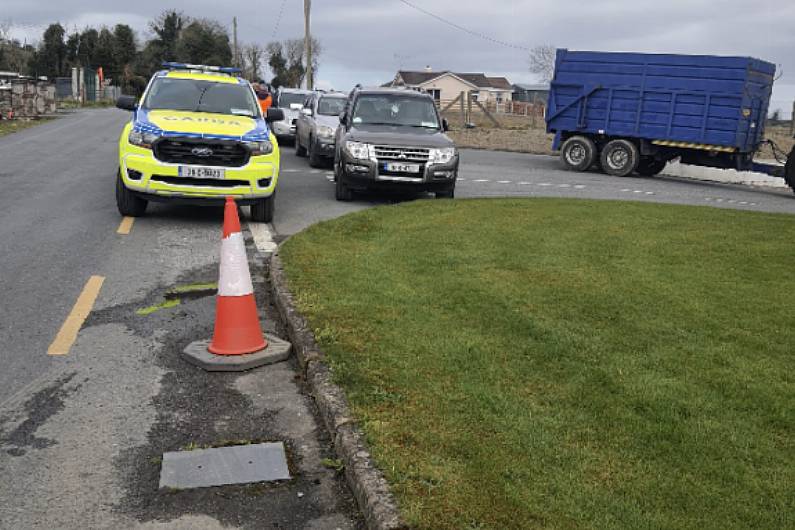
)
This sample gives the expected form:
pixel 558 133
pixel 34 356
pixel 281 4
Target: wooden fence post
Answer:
pixel 792 120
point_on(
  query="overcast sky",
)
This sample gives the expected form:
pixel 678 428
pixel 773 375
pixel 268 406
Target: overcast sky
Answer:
pixel 367 41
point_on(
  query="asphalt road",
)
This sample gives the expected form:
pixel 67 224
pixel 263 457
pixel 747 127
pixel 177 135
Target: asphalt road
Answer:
pixel 81 434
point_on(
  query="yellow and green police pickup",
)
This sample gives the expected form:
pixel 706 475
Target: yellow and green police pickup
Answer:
pixel 197 135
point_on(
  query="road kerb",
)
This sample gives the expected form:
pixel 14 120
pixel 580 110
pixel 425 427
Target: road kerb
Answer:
pixel 368 484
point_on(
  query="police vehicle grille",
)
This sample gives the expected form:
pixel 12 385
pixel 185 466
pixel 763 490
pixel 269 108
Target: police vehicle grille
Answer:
pixel 402 154
pixel 177 151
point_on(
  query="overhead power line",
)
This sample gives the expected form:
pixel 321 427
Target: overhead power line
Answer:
pixel 466 30
pixel 278 20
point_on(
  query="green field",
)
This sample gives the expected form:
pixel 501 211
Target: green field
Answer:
pixel 542 363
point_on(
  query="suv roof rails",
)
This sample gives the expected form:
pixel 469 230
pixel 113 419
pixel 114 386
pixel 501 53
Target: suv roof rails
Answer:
pixel 228 70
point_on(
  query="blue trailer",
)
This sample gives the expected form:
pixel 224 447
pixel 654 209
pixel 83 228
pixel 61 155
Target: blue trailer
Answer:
pixel 634 112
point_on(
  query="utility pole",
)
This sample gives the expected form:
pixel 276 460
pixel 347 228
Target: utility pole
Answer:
pixel 235 61
pixel 310 81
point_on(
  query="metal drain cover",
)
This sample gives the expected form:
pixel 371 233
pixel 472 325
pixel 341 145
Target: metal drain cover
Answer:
pixel 238 464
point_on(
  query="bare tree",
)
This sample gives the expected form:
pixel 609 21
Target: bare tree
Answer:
pixel 542 61
pixel 253 58
pixel 286 60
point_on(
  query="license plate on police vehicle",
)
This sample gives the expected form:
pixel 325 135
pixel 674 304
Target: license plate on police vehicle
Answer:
pixel 400 167
pixel 201 172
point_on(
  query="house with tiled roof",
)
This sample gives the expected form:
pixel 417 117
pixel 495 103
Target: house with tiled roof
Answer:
pixel 447 85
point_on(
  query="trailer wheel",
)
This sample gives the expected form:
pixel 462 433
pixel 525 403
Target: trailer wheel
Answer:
pixel 620 158
pixel 578 153
pixel 648 167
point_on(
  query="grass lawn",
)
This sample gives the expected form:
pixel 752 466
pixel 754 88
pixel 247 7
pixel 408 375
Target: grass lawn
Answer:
pixel 546 363
pixel 12 126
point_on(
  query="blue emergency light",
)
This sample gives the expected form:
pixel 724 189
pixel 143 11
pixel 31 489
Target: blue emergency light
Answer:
pixel 230 70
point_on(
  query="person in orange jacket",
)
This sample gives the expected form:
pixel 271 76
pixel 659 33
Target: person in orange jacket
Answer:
pixel 263 95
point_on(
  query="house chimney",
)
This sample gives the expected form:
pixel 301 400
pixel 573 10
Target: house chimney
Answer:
pixel 428 69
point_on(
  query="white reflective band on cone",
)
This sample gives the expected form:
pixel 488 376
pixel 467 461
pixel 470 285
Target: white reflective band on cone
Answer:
pixel 234 279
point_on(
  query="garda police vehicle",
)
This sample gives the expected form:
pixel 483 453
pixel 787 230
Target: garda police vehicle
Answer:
pixel 197 135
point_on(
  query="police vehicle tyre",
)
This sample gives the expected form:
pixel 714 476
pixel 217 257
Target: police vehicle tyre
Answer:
pixel 127 202
pixel 446 194
pixel 648 167
pixel 314 159
pixel 299 151
pixel 341 191
pixel 262 210
pixel 620 158
pixel 578 153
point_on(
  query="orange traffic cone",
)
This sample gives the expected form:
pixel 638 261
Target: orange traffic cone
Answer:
pixel 237 326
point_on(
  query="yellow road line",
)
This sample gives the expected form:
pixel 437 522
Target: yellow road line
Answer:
pixel 125 226
pixel 71 326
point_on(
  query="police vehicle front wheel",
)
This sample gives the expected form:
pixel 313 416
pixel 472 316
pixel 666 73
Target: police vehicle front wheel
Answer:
pixel 127 202
pixel 262 210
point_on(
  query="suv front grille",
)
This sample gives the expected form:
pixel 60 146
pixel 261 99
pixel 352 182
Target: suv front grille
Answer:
pixel 201 152
pixel 402 154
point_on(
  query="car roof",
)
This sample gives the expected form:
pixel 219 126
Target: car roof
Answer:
pixel 295 90
pixel 392 92
pixel 202 76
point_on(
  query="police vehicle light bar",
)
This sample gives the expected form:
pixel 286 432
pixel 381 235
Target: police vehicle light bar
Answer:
pixel 202 68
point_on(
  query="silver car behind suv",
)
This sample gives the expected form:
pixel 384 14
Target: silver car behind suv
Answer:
pixel 291 101
pixel 317 126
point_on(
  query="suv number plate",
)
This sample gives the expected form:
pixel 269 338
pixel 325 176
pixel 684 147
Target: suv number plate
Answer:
pixel 399 167
pixel 201 172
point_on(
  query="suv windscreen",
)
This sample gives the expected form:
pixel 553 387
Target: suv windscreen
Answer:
pixel 201 96
pixel 288 98
pixel 391 109
pixel 329 106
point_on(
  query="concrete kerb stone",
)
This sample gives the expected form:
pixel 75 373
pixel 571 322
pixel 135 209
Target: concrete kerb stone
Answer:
pixel 368 484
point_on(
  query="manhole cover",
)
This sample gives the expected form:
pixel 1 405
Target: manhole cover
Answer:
pixel 239 464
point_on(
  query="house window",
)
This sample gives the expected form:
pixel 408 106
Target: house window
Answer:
pixel 499 97
pixel 475 95
pixel 435 93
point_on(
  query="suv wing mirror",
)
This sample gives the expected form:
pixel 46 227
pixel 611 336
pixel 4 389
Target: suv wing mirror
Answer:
pixel 274 114
pixel 343 117
pixel 445 125
pixel 127 102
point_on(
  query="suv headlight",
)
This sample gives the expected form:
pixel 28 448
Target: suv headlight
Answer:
pixel 360 151
pixel 325 132
pixel 442 156
pixel 260 148
pixel 142 139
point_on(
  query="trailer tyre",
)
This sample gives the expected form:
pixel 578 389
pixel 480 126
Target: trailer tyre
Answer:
pixel 620 158
pixel 578 153
pixel 648 167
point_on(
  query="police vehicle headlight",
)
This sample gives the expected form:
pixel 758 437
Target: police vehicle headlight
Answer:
pixel 442 156
pixel 325 132
pixel 260 148
pixel 360 151
pixel 142 139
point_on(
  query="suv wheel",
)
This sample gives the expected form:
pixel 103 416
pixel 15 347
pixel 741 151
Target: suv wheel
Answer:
pixel 127 202
pixel 299 151
pixel 262 210
pixel 314 159
pixel 341 191
pixel 446 194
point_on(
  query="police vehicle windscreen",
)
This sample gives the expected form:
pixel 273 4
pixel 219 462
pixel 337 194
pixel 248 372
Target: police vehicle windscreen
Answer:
pixel 378 109
pixel 288 98
pixel 195 95
pixel 331 106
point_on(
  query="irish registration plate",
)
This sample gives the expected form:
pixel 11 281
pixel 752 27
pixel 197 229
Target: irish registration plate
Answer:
pixel 399 167
pixel 201 172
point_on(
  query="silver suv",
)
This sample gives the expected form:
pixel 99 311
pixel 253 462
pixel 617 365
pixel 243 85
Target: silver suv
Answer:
pixel 317 126
pixel 291 101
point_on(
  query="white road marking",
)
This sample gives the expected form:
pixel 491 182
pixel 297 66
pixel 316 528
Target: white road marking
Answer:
pixel 626 189
pixel 579 186
pixel 330 177
pixel 649 193
pixel 545 184
pixel 503 182
pixel 460 179
pixel 525 183
pixel 263 237
pixel 289 170
pixel 638 191
pixel 482 180
pixel 564 185
pixel 743 202
pixel 315 171
pixel 708 199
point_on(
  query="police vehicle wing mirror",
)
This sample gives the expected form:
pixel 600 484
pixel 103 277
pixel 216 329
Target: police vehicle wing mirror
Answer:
pixel 274 114
pixel 127 102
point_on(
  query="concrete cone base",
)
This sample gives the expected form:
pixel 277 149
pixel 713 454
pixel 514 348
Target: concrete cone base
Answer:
pixel 196 353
